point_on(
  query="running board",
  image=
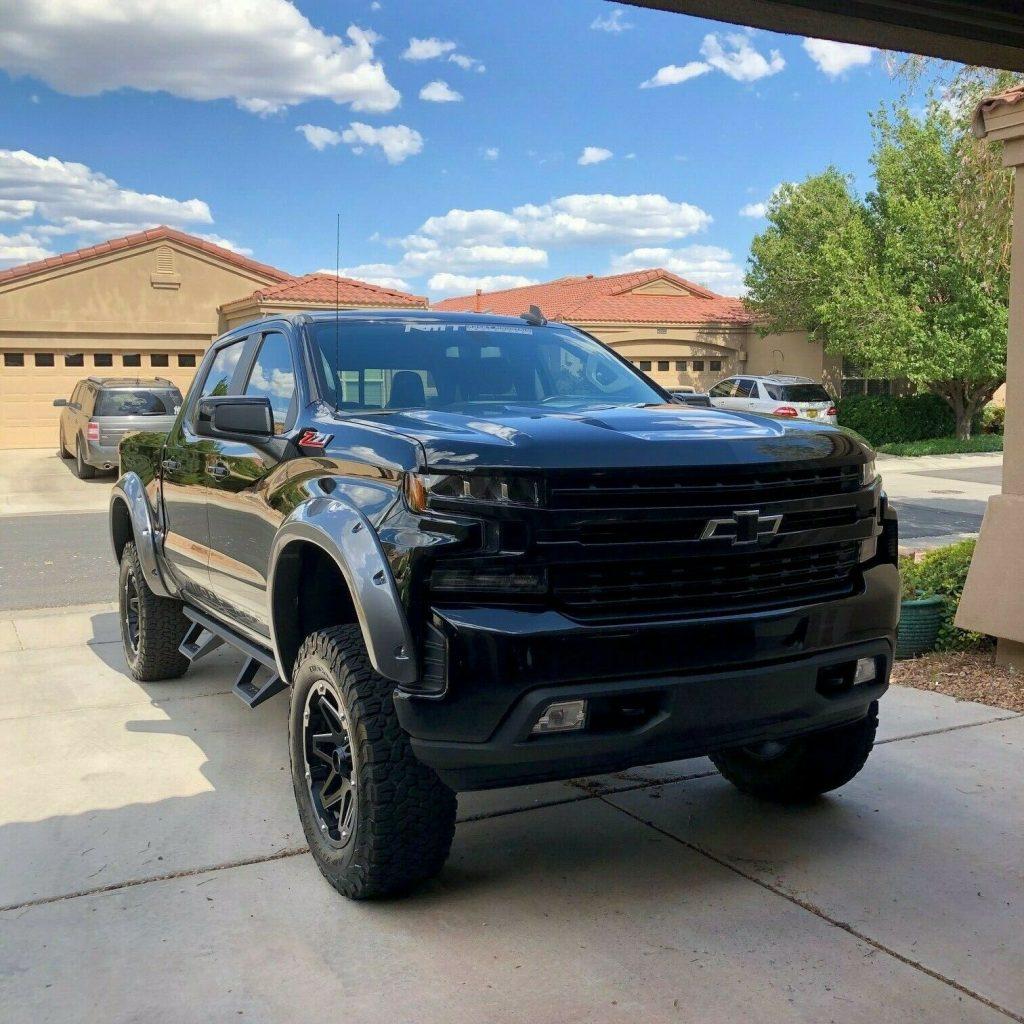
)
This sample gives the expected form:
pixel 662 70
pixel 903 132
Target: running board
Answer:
pixel 206 634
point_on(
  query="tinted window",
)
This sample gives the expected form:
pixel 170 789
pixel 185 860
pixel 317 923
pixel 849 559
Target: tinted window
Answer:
pixel 723 390
pixel 103 359
pixel 716 365
pixel 218 380
pixel 662 364
pixel 187 359
pixel 698 365
pixel 797 392
pixel 746 389
pixel 125 402
pixel 74 359
pixel 131 359
pixel 273 377
pixel 461 367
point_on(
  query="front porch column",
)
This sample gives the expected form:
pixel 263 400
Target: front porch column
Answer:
pixel 993 599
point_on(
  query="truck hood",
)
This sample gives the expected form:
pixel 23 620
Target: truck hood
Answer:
pixel 525 437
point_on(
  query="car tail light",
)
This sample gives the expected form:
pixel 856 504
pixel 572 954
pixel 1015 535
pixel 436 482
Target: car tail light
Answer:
pixel 785 410
pixel 831 411
pixel 92 431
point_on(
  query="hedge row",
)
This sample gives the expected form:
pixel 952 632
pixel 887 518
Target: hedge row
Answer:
pixel 885 420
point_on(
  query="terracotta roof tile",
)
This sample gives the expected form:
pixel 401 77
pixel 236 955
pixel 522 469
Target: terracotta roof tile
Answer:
pixel 326 289
pixel 161 233
pixel 611 300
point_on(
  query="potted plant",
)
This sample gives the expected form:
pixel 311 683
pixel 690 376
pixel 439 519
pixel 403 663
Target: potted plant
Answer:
pixel 921 614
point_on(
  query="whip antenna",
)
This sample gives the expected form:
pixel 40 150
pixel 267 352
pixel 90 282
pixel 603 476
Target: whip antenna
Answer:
pixel 337 304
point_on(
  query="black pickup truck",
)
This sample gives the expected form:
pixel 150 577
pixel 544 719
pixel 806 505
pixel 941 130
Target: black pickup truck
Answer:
pixel 483 551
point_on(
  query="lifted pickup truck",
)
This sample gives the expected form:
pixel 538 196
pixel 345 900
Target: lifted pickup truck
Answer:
pixel 482 551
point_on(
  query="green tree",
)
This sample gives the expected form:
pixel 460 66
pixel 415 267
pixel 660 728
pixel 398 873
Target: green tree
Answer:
pixel 911 281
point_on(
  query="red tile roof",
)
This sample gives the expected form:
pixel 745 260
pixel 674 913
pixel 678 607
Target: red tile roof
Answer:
pixel 326 289
pixel 611 300
pixel 158 234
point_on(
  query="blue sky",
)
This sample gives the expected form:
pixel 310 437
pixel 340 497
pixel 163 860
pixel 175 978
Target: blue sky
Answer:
pixel 255 122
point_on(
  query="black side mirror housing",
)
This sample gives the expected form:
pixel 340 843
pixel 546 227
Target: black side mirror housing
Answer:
pixel 59 403
pixel 235 418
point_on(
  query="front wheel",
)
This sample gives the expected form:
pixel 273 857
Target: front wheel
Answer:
pixel 377 820
pixel 797 770
pixel 152 627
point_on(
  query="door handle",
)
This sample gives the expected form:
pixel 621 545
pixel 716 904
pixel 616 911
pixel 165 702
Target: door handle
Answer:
pixel 219 471
pixel 171 465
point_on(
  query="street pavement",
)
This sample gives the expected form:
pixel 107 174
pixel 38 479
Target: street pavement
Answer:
pixel 154 870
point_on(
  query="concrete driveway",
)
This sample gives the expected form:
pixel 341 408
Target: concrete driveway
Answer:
pixel 153 869
pixel 37 481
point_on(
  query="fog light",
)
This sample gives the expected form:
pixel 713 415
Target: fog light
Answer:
pixel 865 671
pixel 563 716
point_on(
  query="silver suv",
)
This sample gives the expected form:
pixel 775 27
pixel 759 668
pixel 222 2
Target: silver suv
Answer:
pixel 775 395
pixel 101 410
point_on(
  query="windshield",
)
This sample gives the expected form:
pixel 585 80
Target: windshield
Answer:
pixel 466 367
pixel 797 393
pixel 124 402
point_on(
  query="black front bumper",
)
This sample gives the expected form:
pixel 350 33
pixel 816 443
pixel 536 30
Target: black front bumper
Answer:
pixel 691 687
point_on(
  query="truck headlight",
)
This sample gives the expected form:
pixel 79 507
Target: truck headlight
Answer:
pixel 422 490
pixel 868 473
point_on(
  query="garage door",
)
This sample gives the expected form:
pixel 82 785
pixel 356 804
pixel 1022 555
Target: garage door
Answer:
pixel 30 381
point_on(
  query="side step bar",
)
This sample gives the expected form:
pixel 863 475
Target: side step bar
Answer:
pixel 206 634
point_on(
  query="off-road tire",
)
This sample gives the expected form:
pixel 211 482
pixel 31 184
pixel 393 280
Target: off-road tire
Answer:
pixel 809 766
pixel 82 468
pixel 161 625
pixel 404 815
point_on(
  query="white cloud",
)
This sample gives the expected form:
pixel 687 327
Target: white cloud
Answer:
pixel 673 74
pixel 754 209
pixel 457 284
pixel 21 248
pixel 227 243
pixel 733 54
pixel 396 141
pixel 470 257
pixel 375 6
pixel 71 197
pixel 612 22
pixel 439 92
pixel 427 49
pixel 834 58
pixel 263 54
pixel 319 137
pixel 707 265
pixel 629 156
pixel 594 155
pixel 16 209
pixel 490 153
pixel 380 274
pixel 467 63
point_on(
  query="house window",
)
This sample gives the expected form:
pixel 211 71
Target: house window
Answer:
pixel 14 359
pixel 698 366
pixel 74 359
pixel 681 365
pixel 716 365
pixel 102 359
pixel 131 359
pixel 158 359
pixel 644 364
pixel 662 365
pixel 186 359
pixel 44 359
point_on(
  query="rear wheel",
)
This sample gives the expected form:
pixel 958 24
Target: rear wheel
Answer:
pixel 152 627
pixel 377 820
pixel 797 770
pixel 82 468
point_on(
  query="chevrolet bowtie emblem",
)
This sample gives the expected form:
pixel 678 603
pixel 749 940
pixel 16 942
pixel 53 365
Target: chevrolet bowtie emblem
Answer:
pixel 745 527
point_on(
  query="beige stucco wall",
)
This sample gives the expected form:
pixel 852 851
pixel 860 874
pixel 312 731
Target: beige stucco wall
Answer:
pixel 160 299
pixel 793 353
pixel 234 314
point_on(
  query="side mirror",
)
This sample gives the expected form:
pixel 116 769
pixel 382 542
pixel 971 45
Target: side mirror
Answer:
pixel 235 418
pixel 59 403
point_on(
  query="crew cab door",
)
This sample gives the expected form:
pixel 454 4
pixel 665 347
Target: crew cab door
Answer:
pixel 243 518
pixel 185 480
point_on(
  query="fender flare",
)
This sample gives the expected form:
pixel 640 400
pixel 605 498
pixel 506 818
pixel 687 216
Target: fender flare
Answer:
pixel 130 490
pixel 347 536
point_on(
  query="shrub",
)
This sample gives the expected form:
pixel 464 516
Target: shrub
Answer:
pixel 944 445
pixel 944 572
pixel 887 420
pixel 992 419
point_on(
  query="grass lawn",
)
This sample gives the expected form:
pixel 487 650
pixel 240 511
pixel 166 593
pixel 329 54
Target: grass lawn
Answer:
pixel 945 446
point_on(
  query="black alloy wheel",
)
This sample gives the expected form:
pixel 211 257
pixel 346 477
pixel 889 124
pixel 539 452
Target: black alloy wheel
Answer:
pixel 329 764
pixel 131 623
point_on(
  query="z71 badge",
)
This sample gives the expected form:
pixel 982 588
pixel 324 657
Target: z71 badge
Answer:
pixel 314 439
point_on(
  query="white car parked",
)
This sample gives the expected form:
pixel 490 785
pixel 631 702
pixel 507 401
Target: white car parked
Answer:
pixel 775 395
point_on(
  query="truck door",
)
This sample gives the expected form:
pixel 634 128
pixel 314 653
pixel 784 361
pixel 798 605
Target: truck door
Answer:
pixel 185 479
pixel 243 521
